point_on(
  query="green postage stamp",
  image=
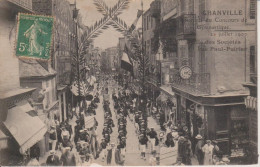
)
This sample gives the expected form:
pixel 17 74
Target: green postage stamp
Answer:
pixel 34 36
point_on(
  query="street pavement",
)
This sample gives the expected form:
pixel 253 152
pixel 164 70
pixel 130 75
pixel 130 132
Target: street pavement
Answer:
pixel 132 157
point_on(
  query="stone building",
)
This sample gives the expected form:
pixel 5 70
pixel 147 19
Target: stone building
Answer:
pixel 16 135
pixel 206 61
pixel 64 46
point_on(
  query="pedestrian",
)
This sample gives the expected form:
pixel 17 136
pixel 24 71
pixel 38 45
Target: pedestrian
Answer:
pixel 142 144
pixel 64 132
pixel 216 150
pixel 103 146
pixel 119 160
pixel 68 158
pixel 152 160
pixel 111 155
pixel 198 149
pixel 169 139
pixel 53 137
pixel 187 151
pixel 52 159
pixel 208 153
pixel 77 132
pixel 153 135
pixel 35 152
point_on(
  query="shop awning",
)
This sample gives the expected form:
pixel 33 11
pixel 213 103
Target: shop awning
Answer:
pixel 25 126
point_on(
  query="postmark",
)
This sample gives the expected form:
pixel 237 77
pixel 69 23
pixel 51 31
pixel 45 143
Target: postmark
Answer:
pixel 34 36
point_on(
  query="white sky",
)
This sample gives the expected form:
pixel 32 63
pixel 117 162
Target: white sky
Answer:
pixel 110 36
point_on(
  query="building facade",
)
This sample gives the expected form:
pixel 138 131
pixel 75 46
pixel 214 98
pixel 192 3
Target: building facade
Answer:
pixel 112 54
pixel 205 62
pixel 17 136
pixel 64 46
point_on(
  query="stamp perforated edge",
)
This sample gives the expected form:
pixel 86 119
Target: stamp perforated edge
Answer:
pixel 51 44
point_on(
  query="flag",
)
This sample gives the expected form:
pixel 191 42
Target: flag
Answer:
pixel 133 26
pixel 126 62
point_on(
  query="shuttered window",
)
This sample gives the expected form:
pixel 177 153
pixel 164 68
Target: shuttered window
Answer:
pixel 202 60
pixel 252 59
pixel 202 9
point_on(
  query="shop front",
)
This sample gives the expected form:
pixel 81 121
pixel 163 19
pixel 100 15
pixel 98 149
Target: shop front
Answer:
pixel 229 126
pixel 25 128
pixel 224 119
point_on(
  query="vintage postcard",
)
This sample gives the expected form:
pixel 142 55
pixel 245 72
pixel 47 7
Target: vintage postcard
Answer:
pixel 128 82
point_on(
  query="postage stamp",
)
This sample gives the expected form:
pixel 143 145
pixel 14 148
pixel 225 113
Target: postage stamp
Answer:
pixel 34 36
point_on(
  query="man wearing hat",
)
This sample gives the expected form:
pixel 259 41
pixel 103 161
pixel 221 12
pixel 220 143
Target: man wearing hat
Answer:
pixel 107 137
pixel 76 131
pixel 198 149
pixel 153 135
pixel 208 153
pixel 103 146
pixel 68 158
pixel 119 158
pixel 52 159
pixel 216 150
pixel 142 144
pixel 111 154
pixel 53 137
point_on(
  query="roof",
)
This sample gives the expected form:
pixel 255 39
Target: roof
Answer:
pixel 31 68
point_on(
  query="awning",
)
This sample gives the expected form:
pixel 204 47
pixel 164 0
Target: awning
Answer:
pixel 25 126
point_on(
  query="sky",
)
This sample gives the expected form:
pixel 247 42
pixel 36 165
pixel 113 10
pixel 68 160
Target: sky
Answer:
pixel 109 37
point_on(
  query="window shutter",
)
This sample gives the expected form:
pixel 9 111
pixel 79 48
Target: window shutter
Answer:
pixel 252 9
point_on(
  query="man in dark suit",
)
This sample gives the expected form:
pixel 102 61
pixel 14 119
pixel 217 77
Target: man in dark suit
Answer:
pixel 52 159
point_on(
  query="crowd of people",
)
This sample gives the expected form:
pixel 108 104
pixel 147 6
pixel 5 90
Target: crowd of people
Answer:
pixel 127 105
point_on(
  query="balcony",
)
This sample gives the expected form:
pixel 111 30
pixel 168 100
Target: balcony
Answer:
pixel 155 8
pixel 186 26
pixel 197 84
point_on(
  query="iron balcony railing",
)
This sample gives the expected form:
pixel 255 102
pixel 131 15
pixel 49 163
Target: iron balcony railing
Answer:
pixel 186 24
pixel 198 83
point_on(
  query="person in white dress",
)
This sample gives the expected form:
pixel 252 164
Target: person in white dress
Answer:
pixel 208 152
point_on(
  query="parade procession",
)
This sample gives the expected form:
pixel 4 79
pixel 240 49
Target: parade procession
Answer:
pixel 128 82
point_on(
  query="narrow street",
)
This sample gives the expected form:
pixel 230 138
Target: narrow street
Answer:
pixel 128 82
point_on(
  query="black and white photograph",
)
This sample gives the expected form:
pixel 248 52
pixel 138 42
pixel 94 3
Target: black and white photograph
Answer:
pixel 128 82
